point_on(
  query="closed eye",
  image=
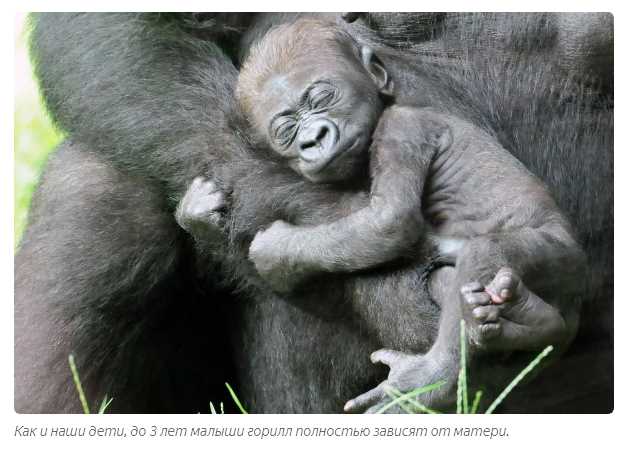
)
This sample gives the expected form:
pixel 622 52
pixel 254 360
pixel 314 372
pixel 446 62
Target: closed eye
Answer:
pixel 285 132
pixel 321 99
pixel 320 95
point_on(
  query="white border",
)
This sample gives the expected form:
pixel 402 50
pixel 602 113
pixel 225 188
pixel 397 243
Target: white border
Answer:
pixel 591 437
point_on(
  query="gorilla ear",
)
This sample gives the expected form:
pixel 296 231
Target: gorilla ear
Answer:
pixel 377 71
pixel 352 17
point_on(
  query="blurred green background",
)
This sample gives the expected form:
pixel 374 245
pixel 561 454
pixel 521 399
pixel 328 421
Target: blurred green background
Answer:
pixel 34 135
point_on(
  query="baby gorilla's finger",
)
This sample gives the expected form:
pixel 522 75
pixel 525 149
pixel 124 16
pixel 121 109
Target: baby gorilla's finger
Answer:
pixel 477 298
pixel 489 313
pixel 207 187
pixel 200 186
pixel 471 287
pixel 388 357
pixel 366 400
pixel 198 189
pixel 201 210
pixel 217 201
pixel 216 221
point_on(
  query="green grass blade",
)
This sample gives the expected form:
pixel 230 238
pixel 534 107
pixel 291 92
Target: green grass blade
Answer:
pixel 518 379
pixel 212 408
pixel 104 404
pixel 459 394
pixel 476 402
pixel 396 394
pixel 400 398
pixel 462 402
pixel 76 380
pixel 235 398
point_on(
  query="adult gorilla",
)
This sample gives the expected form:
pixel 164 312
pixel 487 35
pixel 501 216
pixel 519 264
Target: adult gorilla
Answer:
pixel 103 270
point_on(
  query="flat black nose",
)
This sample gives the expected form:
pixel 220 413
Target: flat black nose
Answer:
pixel 317 140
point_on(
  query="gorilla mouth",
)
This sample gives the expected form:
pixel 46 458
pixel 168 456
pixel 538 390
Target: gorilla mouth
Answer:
pixel 351 148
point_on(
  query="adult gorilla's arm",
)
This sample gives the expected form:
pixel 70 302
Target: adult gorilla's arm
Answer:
pixel 103 270
pixel 146 91
pixel 114 288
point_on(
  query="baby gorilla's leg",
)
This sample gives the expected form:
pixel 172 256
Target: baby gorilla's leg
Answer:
pixel 200 211
pixel 506 315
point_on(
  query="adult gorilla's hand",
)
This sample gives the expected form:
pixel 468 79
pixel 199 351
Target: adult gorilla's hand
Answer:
pixel 408 372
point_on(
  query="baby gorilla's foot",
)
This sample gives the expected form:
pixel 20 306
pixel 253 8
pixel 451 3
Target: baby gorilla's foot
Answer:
pixel 200 210
pixel 408 372
pixel 506 315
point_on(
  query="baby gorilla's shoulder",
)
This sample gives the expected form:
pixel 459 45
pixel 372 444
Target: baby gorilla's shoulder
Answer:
pixel 416 125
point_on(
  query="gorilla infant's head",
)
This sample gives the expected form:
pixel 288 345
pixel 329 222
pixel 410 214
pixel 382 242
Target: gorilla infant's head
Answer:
pixel 314 95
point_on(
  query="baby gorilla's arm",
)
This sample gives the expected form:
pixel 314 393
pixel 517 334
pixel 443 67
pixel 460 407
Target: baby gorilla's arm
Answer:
pixel 199 212
pixel 392 223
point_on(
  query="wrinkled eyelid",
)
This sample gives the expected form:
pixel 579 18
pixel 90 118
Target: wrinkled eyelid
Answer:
pixel 323 84
pixel 278 121
pixel 284 133
pixel 322 97
pixel 284 128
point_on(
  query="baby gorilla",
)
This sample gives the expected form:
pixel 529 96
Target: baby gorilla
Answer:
pixel 328 115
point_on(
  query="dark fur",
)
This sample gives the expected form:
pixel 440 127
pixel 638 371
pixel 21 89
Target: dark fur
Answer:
pixel 104 272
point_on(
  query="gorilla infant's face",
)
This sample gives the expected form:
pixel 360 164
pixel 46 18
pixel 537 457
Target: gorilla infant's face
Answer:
pixel 321 116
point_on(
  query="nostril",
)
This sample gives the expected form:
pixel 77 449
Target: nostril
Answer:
pixel 315 140
pixel 322 133
pixel 307 144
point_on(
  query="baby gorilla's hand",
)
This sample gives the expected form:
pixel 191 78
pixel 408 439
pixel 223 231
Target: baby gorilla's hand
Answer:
pixel 200 210
pixel 273 257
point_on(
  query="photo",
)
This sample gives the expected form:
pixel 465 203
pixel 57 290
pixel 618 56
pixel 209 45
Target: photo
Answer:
pixel 316 213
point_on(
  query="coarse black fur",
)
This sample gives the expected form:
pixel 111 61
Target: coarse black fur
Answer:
pixel 104 272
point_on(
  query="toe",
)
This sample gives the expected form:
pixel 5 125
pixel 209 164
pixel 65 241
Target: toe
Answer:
pixel 477 298
pixel 366 400
pixel 486 314
pixel 490 330
pixel 503 285
pixel 386 356
pixel 471 287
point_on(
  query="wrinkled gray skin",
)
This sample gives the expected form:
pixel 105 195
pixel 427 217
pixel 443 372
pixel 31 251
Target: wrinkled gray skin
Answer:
pixel 481 206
